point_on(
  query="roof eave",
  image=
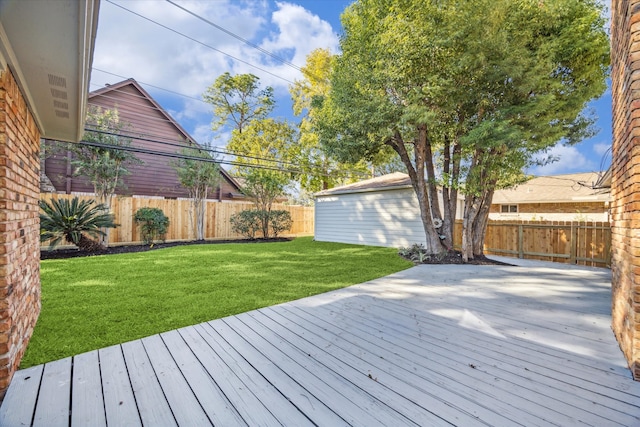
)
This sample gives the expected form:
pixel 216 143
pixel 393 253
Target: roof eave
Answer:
pixel 48 46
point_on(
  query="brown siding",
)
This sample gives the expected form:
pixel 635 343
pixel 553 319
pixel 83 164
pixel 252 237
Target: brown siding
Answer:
pixel 155 177
pixel 19 227
pixel 625 184
pixel 570 208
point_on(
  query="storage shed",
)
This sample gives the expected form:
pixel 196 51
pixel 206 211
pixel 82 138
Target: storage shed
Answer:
pixel 381 211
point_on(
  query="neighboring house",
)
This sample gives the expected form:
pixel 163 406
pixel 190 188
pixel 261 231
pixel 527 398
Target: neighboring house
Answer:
pixel 46 51
pixel 571 197
pixel 155 130
pixel 381 211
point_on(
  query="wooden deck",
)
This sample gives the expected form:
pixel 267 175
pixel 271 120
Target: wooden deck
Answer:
pixel 430 346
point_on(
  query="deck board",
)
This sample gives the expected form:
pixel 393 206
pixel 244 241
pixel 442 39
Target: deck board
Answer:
pixel 86 391
pixel 296 392
pixel 153 407
pixel 210 397
pixel 56 382
pixel 485 379
pixel 119 404
pixel 186 408
pixel 18 406
pixel 432 345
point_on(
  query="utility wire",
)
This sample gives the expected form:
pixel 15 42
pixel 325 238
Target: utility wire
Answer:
pixel 237 37
pixel 292 167
pixel 199 42
pixel 141 150
pixel 146 84
pixel 131 135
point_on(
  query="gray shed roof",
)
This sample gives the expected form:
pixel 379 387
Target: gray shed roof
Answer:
pixel 385 182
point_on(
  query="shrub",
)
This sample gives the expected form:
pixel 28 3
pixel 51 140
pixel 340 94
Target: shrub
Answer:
pixel 153 224
pixel 246 223
pixel 280 221
pixel 249 222
pixel 72 220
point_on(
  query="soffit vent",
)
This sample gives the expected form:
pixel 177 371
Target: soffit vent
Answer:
pixel 60 104
pixel 58 87
pixel 57 81
pixel 56 93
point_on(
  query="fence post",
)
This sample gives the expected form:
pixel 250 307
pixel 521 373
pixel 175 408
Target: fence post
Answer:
pixel 574 244
pixel 520 241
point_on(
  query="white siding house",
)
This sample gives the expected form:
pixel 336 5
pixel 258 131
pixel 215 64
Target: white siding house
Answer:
pixel 382 211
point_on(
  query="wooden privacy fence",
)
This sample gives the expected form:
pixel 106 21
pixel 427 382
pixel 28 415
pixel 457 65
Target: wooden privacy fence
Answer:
pixel 582 243
pixel 181 227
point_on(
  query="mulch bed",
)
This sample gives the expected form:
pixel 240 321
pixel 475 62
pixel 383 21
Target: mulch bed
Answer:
pixel 125 249
pixel 455 257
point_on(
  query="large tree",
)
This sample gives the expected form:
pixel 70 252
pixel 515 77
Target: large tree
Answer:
pixel 237 100
pixel 319 170
pixel 466 94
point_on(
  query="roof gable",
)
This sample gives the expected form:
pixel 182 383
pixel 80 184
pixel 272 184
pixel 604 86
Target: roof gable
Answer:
pixel 113 93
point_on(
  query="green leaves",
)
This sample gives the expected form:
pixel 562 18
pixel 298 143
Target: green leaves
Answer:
pixel 238 99
pixel 153 224
pixel 477 87
pixel 67 220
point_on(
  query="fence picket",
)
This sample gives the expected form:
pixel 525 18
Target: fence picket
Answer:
pixel 583 243
pixel 217 225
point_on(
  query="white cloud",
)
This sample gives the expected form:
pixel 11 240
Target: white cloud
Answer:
pixel 131 46
pixel 602 148
pixel 569 159
pixel 203 134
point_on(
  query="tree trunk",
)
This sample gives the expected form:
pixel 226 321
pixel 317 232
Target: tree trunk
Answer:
pixel 471 207
pixel 89 245
pixel 480 224
pixel 433 243
pixel 451 169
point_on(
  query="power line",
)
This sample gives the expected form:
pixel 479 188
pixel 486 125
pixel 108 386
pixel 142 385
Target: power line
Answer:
pixel 279 163
pixel 237 37
pixel 142 137
pixel 200 42
pixel 141 150
pixel 147 84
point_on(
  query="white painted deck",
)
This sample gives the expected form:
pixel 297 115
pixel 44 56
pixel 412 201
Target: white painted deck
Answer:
pixel 430 346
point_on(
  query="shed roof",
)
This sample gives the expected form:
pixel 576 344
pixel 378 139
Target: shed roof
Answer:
pixel 577 187
pixel 385 182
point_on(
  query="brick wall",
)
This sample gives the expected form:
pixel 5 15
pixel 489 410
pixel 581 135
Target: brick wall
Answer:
pixel 19 227
pixel 569 208
pixel 625 185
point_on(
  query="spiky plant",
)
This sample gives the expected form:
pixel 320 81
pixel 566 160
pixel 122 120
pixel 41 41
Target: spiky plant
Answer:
pixel 72 220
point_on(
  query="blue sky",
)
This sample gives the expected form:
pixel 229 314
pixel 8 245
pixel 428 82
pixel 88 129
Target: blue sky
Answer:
pixel 129 45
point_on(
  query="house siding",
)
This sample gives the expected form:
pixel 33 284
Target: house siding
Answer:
pixel 625 179
pixel 156 177
pixel 19 227
pixel 578 211
pixel 378 218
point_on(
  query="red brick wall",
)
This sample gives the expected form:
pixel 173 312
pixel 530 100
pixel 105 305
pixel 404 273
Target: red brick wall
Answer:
pixel 19 227
pixel 625 186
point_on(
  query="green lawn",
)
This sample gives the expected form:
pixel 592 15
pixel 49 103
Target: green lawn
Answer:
pixel 94 302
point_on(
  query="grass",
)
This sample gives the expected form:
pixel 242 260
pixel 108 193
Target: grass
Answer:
pixel 94 302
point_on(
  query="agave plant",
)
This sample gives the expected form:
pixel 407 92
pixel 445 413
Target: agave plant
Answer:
pixel 72 220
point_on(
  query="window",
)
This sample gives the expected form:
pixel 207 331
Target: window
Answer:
pixel 509 208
